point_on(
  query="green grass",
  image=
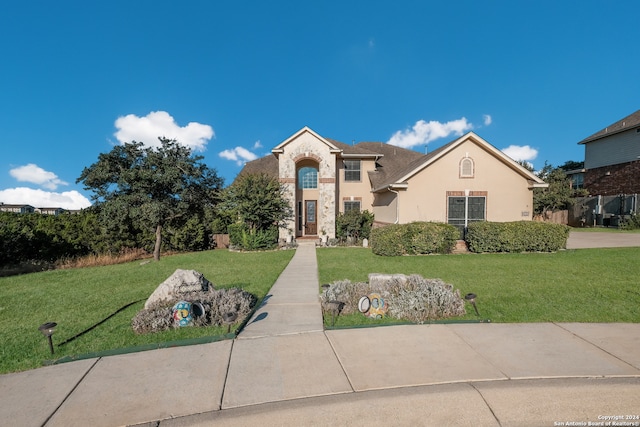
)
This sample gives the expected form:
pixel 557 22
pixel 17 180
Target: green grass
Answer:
pixel 586 285
pixel 79 298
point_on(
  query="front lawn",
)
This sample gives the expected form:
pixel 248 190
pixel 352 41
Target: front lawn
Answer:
pixel 78 298
pixel 586 285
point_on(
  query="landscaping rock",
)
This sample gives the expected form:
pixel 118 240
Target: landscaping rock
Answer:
pixel 180 285
pixel 378 280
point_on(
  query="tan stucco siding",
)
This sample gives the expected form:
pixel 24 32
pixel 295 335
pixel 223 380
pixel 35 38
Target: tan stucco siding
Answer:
pixel 352 190
pixel 385 207
pixel 508 195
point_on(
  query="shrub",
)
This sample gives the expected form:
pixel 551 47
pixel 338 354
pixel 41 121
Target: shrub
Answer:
pixel 519 236
pixel 632 223
pixel 416 238
pixel 412 298
pixel 243 238
pixel 158 317
pixel 355 224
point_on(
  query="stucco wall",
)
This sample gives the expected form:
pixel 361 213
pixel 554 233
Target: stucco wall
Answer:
pixel 508 195
pixel 360 190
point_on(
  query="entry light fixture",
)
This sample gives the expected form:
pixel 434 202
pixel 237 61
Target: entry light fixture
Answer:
pixel 47 330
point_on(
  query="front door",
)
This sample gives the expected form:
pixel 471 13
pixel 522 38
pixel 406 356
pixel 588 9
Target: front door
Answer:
pixel 311 220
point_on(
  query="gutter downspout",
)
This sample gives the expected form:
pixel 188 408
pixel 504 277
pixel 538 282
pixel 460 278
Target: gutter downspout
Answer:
pixel 397 205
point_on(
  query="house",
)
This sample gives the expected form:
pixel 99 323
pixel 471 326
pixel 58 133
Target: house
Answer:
pixel 463 181
pixel 16 208
pixel 612 158
pixel 50 211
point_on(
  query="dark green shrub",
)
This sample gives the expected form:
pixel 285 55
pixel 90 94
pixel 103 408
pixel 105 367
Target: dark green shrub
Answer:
pixel 354 223
pixel 416 238
pixel 387 240
pixel 243 238
pixel 632 223
pixel 519 236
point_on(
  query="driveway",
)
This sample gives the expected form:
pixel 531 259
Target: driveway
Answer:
pixel 582 240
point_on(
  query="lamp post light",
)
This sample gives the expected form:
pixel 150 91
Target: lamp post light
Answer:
pixel 335 307
pixel 47 330
pixel 229 318
pixel 471 297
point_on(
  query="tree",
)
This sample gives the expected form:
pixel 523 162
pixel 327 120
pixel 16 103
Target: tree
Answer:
pixel 559 195
pixel 258 203
pixel 152 187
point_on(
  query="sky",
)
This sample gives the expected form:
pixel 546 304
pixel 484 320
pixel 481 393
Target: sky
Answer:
pixel 232 80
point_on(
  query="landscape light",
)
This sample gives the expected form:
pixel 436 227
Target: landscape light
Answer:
pixel 47 330
pixel 335 307
pixel 471 297
pixel 229 318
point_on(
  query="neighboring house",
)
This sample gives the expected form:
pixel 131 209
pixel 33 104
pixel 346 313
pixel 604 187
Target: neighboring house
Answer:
pixel 463 181
pixel 612 158
pixel 17 208
pixel 50 211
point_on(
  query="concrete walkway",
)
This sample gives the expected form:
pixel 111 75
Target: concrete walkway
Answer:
pixel 283 369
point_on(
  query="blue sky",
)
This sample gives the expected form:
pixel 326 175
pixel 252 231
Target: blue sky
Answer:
pixel 234 79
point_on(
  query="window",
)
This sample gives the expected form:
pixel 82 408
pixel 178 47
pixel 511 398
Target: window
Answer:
pixel 352 170
pixel 308 178
pixel 466 168
pixel 351 205
pixel 464 210
pixel 577 181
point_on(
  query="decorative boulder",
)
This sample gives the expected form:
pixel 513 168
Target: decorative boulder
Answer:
pixel 180 286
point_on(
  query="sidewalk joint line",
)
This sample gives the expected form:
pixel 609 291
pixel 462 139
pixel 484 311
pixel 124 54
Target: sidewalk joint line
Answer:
pixel 486 403
pixel 226 376
pixel 339 361
pixel 71 392
pixel 595 345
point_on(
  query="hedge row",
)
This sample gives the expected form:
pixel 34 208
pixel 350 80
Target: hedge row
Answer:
pixel 241 237
pixel 415 238
pixel 519 236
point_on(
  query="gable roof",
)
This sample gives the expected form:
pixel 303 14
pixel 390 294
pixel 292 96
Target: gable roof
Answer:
pixel 280 147
pixel 394 165
pixel 400 177
pixel 627 123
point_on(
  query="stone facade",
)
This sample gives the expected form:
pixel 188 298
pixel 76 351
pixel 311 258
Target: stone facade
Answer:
pixel 308 149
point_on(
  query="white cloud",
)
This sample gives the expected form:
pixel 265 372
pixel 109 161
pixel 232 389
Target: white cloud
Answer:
pixel 44 199
pixel 521 152
pixel 425 132
pixel 487 119
pixel 36 175
pixel 239 155
pixel 257 145
pixel 156 124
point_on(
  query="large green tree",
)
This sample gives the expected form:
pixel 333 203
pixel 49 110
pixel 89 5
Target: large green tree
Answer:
pixel 559 195
pixel 152 187
pixel 256 202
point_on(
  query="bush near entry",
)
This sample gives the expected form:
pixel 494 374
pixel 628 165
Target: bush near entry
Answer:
pixel 243 238
pixel 518 236
pixel 416 238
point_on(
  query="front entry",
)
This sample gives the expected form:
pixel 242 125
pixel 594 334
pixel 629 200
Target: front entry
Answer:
pixel 311 220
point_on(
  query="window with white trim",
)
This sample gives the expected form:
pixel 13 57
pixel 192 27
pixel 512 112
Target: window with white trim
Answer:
pixel 466 168
pixel 352 170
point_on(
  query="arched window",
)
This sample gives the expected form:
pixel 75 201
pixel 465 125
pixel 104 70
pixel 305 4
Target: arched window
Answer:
pixel 308 178
pixel 466 168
